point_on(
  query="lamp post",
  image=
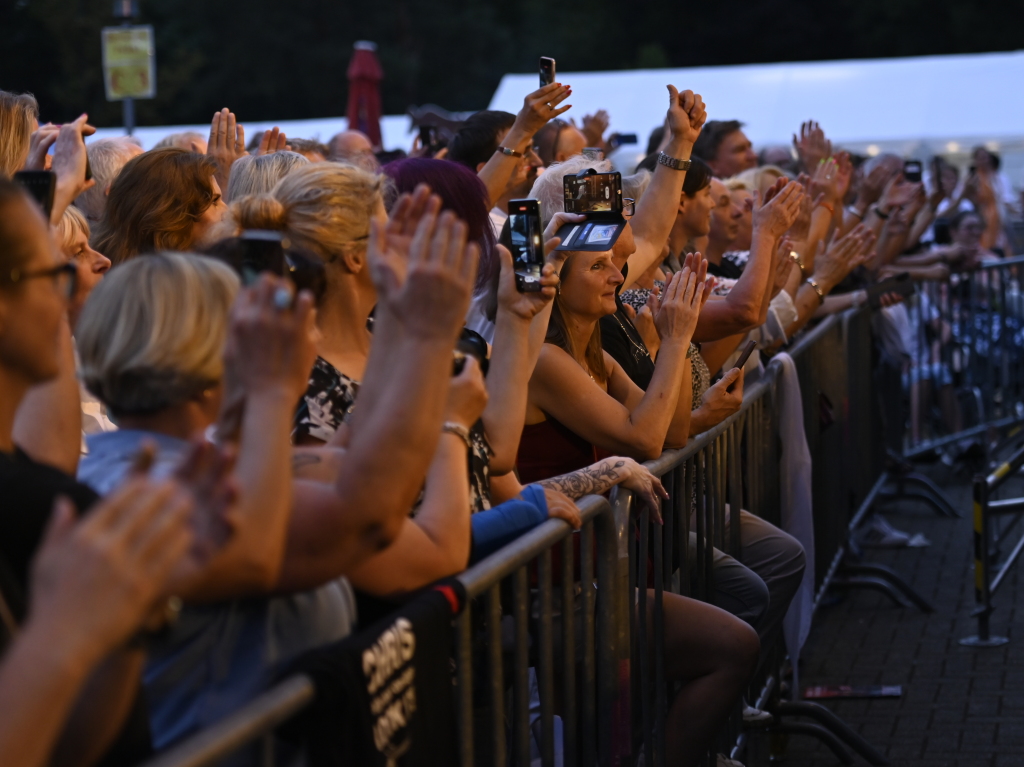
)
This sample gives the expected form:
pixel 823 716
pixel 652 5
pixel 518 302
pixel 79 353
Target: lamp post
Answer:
pixel 127 11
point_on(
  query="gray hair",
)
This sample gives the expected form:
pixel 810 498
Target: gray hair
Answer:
pixel 258 175
pixel 548 186
pixel 107 156
pixel 181 140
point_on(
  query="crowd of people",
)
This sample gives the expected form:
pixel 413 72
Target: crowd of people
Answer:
pixel 208 471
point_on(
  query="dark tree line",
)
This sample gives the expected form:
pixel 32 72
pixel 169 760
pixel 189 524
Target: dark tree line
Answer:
pixel 287 60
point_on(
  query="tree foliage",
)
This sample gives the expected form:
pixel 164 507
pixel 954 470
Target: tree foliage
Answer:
pixel 287 60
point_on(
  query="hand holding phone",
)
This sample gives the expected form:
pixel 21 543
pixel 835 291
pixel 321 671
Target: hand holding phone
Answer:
pixel 547 71
pixel 526 244
pixel 748 349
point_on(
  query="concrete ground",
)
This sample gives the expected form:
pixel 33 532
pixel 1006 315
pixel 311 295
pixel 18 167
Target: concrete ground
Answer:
pixel 961 707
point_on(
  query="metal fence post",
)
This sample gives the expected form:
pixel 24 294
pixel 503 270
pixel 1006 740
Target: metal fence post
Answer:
pixel 982 579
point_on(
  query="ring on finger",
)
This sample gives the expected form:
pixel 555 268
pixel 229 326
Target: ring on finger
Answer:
pixel 282 298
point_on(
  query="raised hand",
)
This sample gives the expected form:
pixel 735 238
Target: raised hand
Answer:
pixel 899 192
pixel 424 281
pixel 95 581
pixel 270 342
pixel 226 144
pixel 784 264
pixel 873 185
pixel 779 212
pixel 811 145
pixel 467 395
pixel 39 144
pixel 686 115
pixel 273 140
pixel 594 127
pixel 539 108
pixel 526 306
pixel 681 304
pixel 842 256
pixel 69 163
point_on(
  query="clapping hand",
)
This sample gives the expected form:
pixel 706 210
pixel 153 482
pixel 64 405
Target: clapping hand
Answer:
pixel 811 145
pixel 681 304
pixel 780 209
pixel 423 267
pixel 594 127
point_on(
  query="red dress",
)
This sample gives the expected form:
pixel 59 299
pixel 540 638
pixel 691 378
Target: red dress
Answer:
pixel 549 449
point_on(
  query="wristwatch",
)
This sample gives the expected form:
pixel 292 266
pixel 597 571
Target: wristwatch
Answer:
pixel 509 152
pixel 673 162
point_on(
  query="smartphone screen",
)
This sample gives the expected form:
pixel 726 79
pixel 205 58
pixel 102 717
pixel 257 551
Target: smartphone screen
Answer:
pixel 593 193
pixel 527 243
pixel 547 71
pixel 912 171
pixel 41 184
pixel 262 251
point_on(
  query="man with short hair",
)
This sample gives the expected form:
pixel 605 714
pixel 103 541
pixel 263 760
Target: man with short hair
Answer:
pixel 353 147
pixel 558 141
pixel 311 149
pixel 107 156
pixel 477 141
pixel 726 218
pixel 725 147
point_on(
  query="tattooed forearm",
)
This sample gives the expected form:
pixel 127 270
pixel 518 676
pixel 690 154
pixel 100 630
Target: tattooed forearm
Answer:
pixel 593 480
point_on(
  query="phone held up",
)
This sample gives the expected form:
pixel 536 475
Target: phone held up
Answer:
pixel 547 71
pixel 912 170
pixel 41 184
pixel 527 244
pixel 748 349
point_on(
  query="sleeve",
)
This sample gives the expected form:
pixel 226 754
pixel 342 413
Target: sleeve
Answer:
pixel 502 524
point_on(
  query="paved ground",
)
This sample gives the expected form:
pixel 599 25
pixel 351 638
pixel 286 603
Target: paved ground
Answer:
pixel 960 707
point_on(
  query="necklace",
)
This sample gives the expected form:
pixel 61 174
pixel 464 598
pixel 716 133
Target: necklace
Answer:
pixel 640 349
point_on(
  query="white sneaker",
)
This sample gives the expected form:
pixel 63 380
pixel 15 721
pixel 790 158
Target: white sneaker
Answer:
pixel 753 715
pixel 724 761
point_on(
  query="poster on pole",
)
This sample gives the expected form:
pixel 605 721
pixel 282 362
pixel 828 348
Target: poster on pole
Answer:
pixel 129 67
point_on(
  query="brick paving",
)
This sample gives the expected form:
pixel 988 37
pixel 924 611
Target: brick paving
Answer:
pixel 961 707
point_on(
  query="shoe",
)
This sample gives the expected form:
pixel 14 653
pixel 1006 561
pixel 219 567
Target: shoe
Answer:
pixel 723 761
pixel 753 715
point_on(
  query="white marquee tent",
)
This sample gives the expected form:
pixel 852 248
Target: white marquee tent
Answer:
pixel 913 106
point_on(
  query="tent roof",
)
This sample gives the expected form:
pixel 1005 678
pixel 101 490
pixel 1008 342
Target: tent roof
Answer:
pixel 934 99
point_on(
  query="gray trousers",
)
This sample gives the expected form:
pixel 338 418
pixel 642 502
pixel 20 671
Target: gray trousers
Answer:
pixel 758 590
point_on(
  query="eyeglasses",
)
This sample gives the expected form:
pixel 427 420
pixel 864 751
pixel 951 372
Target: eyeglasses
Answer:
pixel 67 272
pixel 628 206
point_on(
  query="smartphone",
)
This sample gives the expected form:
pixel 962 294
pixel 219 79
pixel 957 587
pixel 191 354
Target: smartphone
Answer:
pixel 912 171
pixel 620 139
pixel 593 153
pixel 900 284
pixel 426 136
pixel 593 193
pixel 547 71
pixel 748 349
pixel 527 240
pixel 41 184
pixel 261 250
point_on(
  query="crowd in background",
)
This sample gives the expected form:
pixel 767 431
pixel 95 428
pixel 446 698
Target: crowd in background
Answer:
pixel 206 472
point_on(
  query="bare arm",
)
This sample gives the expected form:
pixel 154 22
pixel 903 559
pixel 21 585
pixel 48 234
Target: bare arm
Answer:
pixel 538 108
pixel 656 211
pixel 48 424
pixel 395 429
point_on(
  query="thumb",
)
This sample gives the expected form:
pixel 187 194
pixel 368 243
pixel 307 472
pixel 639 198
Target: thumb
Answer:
pixel 504 258
pixel 61 521
pixel 673 95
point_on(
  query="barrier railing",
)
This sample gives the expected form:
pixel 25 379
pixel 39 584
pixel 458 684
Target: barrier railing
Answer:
pixel 551 654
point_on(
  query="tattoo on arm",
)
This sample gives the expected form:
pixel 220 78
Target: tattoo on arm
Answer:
pixel 595 479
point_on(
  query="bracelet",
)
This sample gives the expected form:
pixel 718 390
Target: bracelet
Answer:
pixel 827 207
pixel 509 152
pixel 879 213
pixel 795 258
pixel 854 212
pixel 821 296
pixel 673 162
pixel 459 431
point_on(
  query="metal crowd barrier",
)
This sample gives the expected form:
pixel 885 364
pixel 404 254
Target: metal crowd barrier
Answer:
pixel 550 630
pixel 965 373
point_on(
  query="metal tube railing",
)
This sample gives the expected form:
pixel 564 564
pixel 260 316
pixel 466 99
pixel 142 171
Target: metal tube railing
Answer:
pixel 573 620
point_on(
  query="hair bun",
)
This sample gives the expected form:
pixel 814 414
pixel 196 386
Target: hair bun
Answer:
pixel 259 211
